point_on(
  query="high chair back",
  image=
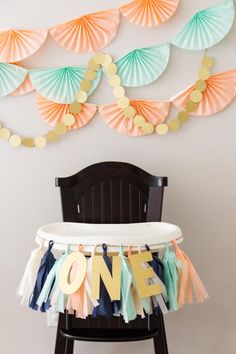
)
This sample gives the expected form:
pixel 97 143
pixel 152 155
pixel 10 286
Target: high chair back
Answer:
pixel 111 192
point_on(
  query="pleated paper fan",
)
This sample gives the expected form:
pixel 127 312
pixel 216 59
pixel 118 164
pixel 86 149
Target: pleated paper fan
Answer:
pixel 149 13
pixel 221 90
pixel 87 33
pixel 143 66
pixel 16 45
pixel 207 27
pixel 11 77
pixel 53 112
pixel 60 84
pixel 24 88
pixel 154 112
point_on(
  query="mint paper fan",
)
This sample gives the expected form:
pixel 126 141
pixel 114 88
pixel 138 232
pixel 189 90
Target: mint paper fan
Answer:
pixel 207 27
pixel 60 84
pixel 11 77
pixel 142 66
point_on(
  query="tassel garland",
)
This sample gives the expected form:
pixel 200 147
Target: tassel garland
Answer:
pixel 174 274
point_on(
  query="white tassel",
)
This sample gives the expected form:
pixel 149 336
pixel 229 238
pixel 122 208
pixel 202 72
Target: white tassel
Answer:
pixel 27 283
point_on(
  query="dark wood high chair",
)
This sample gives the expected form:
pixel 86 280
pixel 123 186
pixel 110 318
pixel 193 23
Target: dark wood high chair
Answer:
pixel 111 192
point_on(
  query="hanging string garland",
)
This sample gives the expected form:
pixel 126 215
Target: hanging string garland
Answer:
pixel 101 59
pixel 104 60
pixel 194 99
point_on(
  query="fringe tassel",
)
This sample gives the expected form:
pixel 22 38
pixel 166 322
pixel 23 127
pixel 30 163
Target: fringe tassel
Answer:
pixel 171 278
pixel 57 298
pixel 44 301
pixel 106 307
pixel 127 302
pixel 27 283
pixel 189 280
pixel 46 265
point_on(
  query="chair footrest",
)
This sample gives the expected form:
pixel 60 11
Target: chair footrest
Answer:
pixel 108 334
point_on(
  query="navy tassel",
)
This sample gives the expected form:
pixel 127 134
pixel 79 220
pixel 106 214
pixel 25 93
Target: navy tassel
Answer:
pixel 46 265
pixel 106 307
pixel 157 265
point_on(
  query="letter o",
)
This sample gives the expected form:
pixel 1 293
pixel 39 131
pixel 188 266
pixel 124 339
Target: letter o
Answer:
pixel 71 288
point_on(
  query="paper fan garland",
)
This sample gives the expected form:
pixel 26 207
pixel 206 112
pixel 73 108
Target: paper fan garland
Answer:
pixel 154 112
pixel 206 28
pixel 149 13
pixel 11 77
pixel 53 112
pixel 16 45
pixel 143 66
pixel 87 33
pixel 60 84
pixel 221 90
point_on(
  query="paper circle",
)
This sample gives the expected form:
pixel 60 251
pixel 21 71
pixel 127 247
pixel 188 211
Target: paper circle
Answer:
pixel 5 133
pixel 123 102
pixel 81 96
pixel 92 65
pixel 118 91
pixel 90 75
pixel 201 85
pixel 107 61
pixel 111 69
pixel 191 106
pixel 114 80
pixel 40 142
pixel 196 96
pixel 147 128
pixel 208 62
pixel 75 107
pixel 68 120
pixel 52 136
pixel 162 129
pixel 28 142
pixel 99 58
pixel 15 140
pixel 129 111
pixel 85 85
pixel 139 120
pixel 173 125
pixel 203 74
pixel 60 128
pixel 183 116
pixel 71 288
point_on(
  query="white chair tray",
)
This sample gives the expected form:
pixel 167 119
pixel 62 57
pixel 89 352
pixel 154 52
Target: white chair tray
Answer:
pixel 136 235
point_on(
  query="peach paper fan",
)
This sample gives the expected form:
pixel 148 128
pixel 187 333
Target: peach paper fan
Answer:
pixel 148 13
pixel 16 45
pixel 221 90
pixel 154 112
pixel 24 88
pixel 87 33
pixel 53 112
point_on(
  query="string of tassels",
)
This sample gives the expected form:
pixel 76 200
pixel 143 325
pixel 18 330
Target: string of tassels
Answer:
pixel 173 272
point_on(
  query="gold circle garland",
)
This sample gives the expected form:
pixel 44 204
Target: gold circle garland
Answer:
pixel 106 61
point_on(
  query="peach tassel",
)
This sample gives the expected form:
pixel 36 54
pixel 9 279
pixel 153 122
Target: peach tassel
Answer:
pixel 189 280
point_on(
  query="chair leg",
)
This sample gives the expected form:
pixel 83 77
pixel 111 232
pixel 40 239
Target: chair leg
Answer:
pixel 69 347
pixel 63 345
pixel 160 342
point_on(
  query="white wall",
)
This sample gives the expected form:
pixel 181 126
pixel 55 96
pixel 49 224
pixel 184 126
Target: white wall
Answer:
pixel 199 161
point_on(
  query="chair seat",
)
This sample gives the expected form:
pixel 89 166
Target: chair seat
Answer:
pixel 108 335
